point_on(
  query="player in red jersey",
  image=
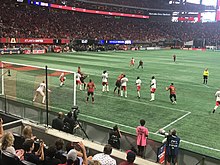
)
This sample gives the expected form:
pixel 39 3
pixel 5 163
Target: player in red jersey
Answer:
pixel 90 89
pixel 62 79
pixel 118 83
pixel 172 90
pixel 132 62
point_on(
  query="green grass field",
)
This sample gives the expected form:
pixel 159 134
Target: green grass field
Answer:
pixel 190 116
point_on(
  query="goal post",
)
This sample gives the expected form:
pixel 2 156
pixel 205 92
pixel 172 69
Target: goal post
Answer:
pixel 20 82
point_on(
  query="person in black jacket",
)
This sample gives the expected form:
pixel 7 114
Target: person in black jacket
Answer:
pixel 114 137
pixel 69 123
pixel 57 123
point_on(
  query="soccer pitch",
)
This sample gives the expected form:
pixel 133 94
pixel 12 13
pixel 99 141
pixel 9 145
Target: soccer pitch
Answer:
pixel 196 126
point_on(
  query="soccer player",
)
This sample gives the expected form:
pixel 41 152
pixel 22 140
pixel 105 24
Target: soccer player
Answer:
pixel 124 81
pixel 174 58
pixel 141 64
pixel 132 62
pixel 205 76
pixel 62 79
pixel 40 90
pixel 172 90
pixel 118 83
pixel 138 84
pixel 105 86
pixel 217 95
pixel 78 81
pixel 90 89
pixel 153 87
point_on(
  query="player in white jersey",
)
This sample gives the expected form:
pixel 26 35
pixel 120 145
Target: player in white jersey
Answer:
pixel 138 84
pixel 40 90
pixel 153 86
pixel 78 81
pixel 217 103
pixel 62 79
pixel 124 81
pixel 105 86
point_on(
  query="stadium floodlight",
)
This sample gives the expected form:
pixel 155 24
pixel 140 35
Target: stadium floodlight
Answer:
pixel 24 79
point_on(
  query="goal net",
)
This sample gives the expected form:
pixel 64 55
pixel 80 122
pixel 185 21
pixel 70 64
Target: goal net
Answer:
pixel 21 83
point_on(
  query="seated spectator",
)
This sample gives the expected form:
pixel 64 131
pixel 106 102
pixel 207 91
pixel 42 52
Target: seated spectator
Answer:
pixel 130 158
pixel 50 157
pixel 29 155
pixel 1 128
pixel 27 133
pixel 7 143
pixel 57 123
pixel 114 137
pixel 105 158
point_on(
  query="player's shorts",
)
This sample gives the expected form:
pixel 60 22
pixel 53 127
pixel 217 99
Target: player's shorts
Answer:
pixel 138 88
pixel 132 63
pixel 152 90
pixel 90 93
pixel 217 103
pixel 62 79
pixel 41 93
pixel 205 77
pixel 104 83
pixel 118 83
pixel 78 82
pixel 124 88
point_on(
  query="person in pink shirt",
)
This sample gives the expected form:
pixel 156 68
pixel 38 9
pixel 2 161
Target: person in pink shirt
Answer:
pixel 142 134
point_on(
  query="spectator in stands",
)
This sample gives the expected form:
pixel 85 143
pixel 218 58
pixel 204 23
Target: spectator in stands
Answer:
pixel 105 158
pixel 37 157
pixel 1 128
pixel 59 150
pixel 57 123
pixel 130 158
pixel 7 143
pixel 114 137
pixel 69 123
pixel 50 157
pixel 27 133
pixel 94 162
pixel 142 135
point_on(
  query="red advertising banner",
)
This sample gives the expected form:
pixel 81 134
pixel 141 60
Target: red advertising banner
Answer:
pixel 218 11
pixel 31 40
pixel 97 11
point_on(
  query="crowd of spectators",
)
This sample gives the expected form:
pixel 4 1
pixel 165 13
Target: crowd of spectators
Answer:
pixel 37 22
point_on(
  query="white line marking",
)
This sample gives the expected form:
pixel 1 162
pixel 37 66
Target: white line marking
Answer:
pixel 175 121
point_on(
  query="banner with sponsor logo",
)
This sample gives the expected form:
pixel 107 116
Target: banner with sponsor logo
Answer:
pixel 31 40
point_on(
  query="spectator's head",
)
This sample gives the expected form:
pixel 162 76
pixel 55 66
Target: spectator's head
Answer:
pixel 69 146
pixel 173 132
pixel 7 140
pixel 142 122
pixel 51 151
pixel 71 156
pixel 115 128
pixel 60 115
pixel 94 162
pixel 27 132
pixel 130 156
pixel 28 145
pixel 59 144
pixel 107 149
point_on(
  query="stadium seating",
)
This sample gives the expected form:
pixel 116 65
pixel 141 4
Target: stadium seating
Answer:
pixel 9 158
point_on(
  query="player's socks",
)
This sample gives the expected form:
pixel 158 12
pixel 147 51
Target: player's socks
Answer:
pixel 80 87
pixel 103 88
pixel 43 101
pixel 115 89
pixel 126 94
pixel 93 99
pixel 107 88
pixel 121 93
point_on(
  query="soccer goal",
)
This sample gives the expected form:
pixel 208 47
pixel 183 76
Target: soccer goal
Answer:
pixel 23 83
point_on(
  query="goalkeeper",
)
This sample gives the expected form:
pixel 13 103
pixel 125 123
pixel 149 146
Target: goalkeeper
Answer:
pixel 40 90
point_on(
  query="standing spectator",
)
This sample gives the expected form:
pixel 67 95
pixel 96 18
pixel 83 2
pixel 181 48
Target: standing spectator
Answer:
pixel 130 158
pixel 90 89
pixel 141 64
pixel 59 149
pixel 57 123
pixel 138 84
pixel 105 158
pixel 153 87
pixel 172 89
pixel 217 103
pixel 114 137
pixel 8 142
pixel 142 135
pixel 124 81
pixel 172 147
pixel 174 58
pixel 37 157
pixel 205 76
pixel 1 128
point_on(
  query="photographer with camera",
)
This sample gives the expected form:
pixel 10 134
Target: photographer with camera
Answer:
pixel 172 146
pixel 114 137
pixel 69 123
